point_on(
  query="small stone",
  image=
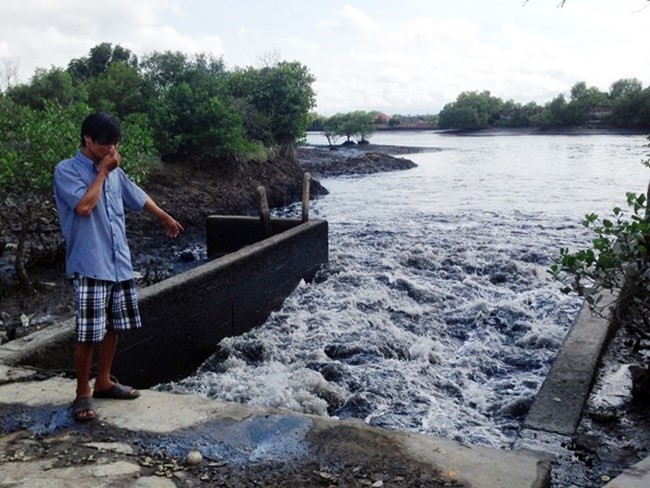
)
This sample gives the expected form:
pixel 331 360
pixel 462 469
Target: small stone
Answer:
pixel 147 461
pixel 378 484
pixel 116 447
pixel 194 458
pixel 326 475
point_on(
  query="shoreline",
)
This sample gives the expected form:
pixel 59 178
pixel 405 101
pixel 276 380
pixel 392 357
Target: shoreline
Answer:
pixel 322 161
pixel 570 131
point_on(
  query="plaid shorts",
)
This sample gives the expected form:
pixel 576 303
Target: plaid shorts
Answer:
pixel 102 305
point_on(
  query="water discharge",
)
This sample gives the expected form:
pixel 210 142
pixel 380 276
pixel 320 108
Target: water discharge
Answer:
pixel 436 313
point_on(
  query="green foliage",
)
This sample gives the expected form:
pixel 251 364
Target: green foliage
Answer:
pixel 315 121
pixel 627 105
pixel 556 113
pixel 517 115
pixel 117 91
pixel 138 148
pixel 331 129
pixel 98 61
pixel 33 142
pixel 585 101
pixel 53 85
pixel 630 104
pixel 192 113
pixel 275 101
pixel 358 123
pixel 200 121
pixel 172 104
pixel 617 260
pixel 394 121
pixel 471 110
pixel 163 70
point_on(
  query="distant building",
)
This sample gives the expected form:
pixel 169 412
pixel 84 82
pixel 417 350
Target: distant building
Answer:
pixel 380 118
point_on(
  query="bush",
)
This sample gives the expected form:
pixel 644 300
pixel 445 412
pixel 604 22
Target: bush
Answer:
pixel 617 261
pixel 200 122
pixel 33 142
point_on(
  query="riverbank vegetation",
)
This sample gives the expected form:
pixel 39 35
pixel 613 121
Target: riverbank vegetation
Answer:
pixel 617 262
pixel 625 106
pixel 174 108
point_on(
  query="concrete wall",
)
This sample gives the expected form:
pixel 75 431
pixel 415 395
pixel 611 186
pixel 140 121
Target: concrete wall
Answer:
pixel 187 315
pixel 558 405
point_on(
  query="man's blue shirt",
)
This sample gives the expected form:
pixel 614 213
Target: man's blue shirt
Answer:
pixel 96 245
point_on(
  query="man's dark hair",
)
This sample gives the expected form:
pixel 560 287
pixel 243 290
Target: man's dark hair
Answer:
pixel 101 128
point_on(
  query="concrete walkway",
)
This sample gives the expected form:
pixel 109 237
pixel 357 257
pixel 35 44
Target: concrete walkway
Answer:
pixel 558 406
pixel 638 476
pixel 110 449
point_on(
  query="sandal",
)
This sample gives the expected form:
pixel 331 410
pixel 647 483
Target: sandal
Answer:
pixel 117 391
pixel 82 409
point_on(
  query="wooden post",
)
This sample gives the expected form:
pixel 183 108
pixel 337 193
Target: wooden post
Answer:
pixel 306 179
pixel 264 212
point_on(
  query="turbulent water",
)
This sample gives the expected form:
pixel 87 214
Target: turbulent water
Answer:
pixel 436 313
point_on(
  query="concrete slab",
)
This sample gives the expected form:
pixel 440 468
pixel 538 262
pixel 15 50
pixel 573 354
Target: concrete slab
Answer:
pixel 240 434
pixel 9 374
pixel 559 403
pixel 638 476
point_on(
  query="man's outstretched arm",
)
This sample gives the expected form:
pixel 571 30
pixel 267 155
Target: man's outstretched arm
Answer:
pixel 172 226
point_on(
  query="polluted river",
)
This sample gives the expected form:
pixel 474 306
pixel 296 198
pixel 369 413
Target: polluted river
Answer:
pixel 436 313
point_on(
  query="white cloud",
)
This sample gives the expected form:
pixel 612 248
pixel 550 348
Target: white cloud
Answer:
pixel 411 56
pixel 163 38
pixel 351 20
pixel 40 33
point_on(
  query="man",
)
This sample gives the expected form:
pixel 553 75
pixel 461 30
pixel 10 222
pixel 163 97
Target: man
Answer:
pixel 91 193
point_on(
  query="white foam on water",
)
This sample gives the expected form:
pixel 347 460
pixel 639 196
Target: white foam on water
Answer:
pixel 436 313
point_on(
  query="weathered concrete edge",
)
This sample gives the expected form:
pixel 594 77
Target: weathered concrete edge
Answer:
pixel 637 476
pixel 480 467
pixel 51 338
pixel 225 261
pixel 560 401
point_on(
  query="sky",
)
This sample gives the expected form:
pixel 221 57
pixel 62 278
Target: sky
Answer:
pixel 395 56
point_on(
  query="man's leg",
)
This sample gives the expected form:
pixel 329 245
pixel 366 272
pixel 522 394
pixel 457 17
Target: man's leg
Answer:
pixel 107 349
pixel 122 314
pixel 90 326
pixel 83 358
